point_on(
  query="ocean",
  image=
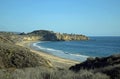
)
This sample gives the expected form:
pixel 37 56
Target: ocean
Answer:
pixel 81 50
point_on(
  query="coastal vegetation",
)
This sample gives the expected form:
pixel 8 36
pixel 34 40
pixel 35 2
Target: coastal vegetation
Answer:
pixel 17 62
pixel 43 73
pixel 107 65
pixel 19 57
pixel 14 56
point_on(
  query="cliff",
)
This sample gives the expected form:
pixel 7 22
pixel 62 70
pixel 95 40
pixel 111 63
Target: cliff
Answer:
pixel 70 37
pixel 45 35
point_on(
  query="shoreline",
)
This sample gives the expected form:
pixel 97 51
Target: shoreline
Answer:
pixel 55 60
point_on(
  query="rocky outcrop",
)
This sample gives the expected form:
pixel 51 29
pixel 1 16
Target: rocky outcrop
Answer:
pixel 41 35
pixel 31 38
pixel 45 35
pixel 70 37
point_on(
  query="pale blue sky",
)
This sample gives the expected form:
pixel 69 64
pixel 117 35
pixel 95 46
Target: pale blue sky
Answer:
pixel 89 17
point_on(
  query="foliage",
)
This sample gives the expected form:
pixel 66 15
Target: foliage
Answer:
pixel 107 65
pixel 17 62
pixel 19 57
pixel 43 73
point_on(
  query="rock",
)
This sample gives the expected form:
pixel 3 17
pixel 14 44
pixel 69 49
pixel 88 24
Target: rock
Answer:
pixel 46 35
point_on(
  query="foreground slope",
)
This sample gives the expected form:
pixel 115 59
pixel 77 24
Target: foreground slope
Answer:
pixel 107 65
pixel 17 62
pixel 13 56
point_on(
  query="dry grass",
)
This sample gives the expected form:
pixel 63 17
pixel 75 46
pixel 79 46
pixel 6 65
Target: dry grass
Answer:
pixel 43 73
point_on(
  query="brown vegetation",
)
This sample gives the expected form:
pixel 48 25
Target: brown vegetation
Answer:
pixel 19 57
pixel 43 73
pixel 17 62
pixel 107 65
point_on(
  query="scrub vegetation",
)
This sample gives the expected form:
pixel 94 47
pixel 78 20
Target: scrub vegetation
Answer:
pixel 18 62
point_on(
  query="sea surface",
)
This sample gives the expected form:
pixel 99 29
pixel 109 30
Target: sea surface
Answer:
pixel 81 50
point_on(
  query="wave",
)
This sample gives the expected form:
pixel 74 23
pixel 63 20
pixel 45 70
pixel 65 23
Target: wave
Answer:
pixel 44 48
pixel 80 55
pixel 61 53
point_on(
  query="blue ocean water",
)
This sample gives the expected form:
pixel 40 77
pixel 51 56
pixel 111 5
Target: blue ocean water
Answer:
pixel 80 50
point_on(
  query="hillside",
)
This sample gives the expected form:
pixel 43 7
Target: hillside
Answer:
pixel 107 65
pixel 13 56
pixel 18 62
pixel 10 37
pixel 46 35
pixel 41 35
pixel 3 39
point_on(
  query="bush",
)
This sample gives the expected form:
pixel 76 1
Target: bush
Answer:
pixel 43 73
pixel 19 57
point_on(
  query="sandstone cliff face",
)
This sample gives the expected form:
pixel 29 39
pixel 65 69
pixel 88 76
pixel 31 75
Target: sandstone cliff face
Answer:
pixel 41 35
pixel 45 35
pixel 31 38
pixel 70 37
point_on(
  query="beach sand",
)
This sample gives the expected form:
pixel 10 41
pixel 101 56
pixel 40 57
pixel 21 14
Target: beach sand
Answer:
pixel 56 61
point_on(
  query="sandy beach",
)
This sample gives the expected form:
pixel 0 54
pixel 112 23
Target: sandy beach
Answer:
pixel 56 61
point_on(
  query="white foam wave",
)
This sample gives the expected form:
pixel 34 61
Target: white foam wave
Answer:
pixel 80 55
pixel 61 53
pixel 44 48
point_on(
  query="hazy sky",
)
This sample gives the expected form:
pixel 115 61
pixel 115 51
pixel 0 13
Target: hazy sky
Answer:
pixel 89 17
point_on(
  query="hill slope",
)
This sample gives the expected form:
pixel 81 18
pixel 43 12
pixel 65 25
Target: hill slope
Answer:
pixel 107 65
pixel 13 56
pixel 46 35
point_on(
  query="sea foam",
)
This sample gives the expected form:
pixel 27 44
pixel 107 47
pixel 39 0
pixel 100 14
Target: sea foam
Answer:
pixel 61 53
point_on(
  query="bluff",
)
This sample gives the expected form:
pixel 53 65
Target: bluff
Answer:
pixel 45 35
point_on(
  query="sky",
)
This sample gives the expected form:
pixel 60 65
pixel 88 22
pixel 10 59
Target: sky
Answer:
pixel 88 17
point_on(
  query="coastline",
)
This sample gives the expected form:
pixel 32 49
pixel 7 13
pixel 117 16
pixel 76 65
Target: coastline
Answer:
pixel 56 61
